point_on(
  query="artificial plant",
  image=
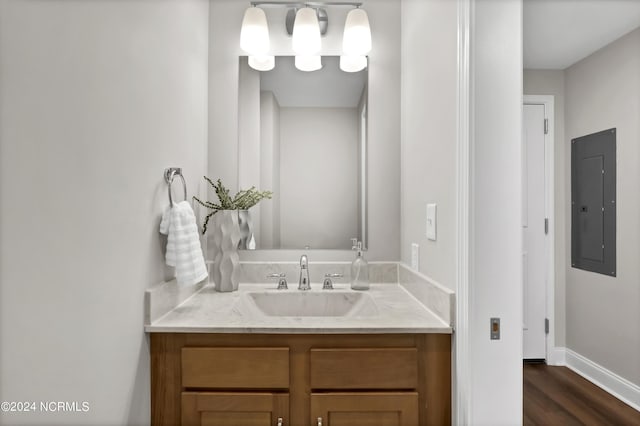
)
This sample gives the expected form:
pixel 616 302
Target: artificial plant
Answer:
pixel 243 200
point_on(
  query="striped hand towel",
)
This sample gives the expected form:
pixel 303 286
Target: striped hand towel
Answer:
pixel 183 244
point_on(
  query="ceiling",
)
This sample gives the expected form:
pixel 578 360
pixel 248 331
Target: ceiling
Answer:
pixel 328 87
pixel 559 33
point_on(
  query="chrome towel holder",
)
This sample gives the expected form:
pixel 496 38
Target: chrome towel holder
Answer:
pixel 169 175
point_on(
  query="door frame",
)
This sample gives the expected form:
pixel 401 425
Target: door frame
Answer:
pixel 549 186
pixel 469 345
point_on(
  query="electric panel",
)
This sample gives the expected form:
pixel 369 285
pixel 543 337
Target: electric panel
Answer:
pixel 593 202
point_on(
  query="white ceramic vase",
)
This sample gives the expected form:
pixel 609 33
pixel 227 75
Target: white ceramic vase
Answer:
pixel 226 262
pixel 246 229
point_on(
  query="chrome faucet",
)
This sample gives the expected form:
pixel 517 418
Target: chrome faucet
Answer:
pixel 305 283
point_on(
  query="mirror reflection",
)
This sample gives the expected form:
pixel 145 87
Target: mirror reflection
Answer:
pixel 303 136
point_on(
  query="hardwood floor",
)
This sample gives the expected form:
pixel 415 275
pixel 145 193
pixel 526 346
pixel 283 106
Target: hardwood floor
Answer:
pixel 558 396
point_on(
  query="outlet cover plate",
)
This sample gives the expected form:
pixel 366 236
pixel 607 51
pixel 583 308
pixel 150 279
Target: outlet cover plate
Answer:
pixel 415 256
pixel 431 221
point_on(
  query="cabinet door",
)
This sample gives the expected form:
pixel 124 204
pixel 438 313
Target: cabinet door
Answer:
pixel 234 409
pixel 360 409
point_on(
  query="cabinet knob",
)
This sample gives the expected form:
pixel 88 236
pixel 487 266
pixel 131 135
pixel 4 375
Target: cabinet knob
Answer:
pixel 319 421
pixel 280 421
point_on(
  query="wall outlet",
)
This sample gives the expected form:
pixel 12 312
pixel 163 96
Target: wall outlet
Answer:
pixel 415 256
pixel 431 221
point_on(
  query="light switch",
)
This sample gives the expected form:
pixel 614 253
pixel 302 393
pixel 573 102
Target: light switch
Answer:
pixel 415 256
pixel 431 221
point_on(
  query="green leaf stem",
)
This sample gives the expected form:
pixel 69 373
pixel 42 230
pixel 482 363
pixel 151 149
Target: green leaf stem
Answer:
pixel 243 200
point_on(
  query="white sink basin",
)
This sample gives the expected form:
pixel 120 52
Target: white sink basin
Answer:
pixel 311 304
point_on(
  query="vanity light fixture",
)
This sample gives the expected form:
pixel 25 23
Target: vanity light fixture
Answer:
pixel 308 62
pixel 356 40
pixel 254 35
pixel 306 32
pixel 353 63
pixel 306 22
pixel 262 63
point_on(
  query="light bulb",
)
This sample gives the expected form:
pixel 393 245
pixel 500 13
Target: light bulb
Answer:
pixel 356 40
pixel 262 63
pixel 254 35
pixel 306 32
pixel 353 63
pixel 308 62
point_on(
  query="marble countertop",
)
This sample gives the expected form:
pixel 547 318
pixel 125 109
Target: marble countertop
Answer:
pixel 208 311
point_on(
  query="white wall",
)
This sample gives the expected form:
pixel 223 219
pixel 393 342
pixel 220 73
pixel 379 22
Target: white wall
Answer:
pixel 495 287
pixel 603 313
pixel 225 18
pixel 248 131
pixel 318 177
pixel 384 112
pixel 429 84
pixel 96 100
pixel 383 180
pixel 249 144
pixel 551 82
pixel 269 236
pixel 362 168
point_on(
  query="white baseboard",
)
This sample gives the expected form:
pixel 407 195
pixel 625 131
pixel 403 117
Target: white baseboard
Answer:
pixel 609 381
pixel 557 357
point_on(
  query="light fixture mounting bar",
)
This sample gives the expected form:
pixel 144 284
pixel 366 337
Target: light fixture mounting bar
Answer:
pixel 305 3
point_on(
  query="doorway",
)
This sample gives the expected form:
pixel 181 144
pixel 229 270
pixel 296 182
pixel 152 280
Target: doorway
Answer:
pixel 537 227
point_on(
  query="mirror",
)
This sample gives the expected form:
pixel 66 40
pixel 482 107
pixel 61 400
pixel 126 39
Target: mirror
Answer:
pixel 303 135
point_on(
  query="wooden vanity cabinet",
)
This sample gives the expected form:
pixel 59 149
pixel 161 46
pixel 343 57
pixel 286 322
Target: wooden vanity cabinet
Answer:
pixel 257 379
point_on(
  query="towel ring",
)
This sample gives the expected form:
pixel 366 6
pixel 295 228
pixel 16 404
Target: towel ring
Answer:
pixel 171 173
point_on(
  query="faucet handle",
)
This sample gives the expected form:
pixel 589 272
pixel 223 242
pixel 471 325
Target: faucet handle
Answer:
pixel 282 280
pixel 328 283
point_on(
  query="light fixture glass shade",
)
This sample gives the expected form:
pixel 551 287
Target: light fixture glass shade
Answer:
pixel 262 63
pixel 308 63
pixel 356 40
pixel 353 63
pixel 254 35
pixel 306 32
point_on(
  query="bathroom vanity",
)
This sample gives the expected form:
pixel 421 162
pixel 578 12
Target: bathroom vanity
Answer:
pixel 257 379
pixel 349 358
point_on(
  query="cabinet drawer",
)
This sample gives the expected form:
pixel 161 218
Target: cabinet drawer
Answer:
pixel 364 368
pixel 235 368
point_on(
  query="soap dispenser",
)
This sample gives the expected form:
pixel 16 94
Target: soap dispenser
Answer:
pixel 359 268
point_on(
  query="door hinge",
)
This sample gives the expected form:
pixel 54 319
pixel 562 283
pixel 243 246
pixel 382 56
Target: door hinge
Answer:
pixel 546 126
pixel 546 226
pixel 546 326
